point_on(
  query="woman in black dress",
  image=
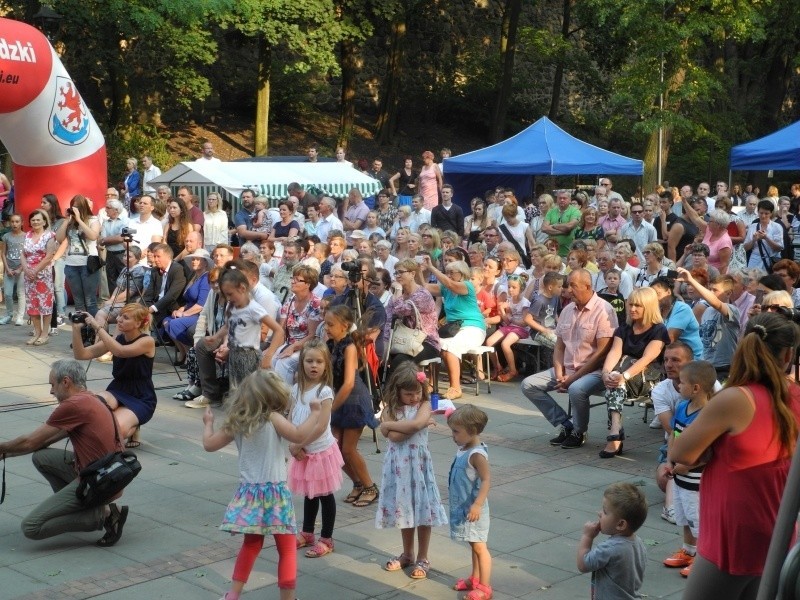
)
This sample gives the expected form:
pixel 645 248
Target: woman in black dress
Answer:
pixel 404 183
pixel 130 394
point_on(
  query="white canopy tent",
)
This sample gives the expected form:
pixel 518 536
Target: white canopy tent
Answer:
pixel 270 179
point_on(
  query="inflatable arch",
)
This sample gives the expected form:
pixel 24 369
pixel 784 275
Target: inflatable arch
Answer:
pixel 55 145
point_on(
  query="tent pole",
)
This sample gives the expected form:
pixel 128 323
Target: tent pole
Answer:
pixel 730 180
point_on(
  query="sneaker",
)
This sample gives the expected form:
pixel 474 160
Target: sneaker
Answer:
pixel 53 331
pixel 646 403
pixel 685 571
pixel 575 439
pixel 19 322
pixel 59 321
pixel 561 437
pixel 679 560
pixel 199 402
pixel 668 514
pixel 655 423
pixel 5 320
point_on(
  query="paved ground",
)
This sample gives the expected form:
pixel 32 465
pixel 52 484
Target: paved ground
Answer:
pixel 172 547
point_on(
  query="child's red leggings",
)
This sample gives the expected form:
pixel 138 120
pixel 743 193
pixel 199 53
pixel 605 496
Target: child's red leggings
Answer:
pixel 287 558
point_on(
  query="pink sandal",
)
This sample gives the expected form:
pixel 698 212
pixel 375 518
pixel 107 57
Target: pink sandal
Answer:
pixel 465 585
pixel 480 592
pixel 321 548
pixel 305 539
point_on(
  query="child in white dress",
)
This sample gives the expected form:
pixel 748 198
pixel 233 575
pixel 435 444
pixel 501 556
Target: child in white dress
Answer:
pixel 409 497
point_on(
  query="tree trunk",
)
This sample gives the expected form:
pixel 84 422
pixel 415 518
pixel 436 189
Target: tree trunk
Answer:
pixel 390 102
pixel 508 47
pixel 262 97
pixel 650 181
pixel 350 66
pixel 558 78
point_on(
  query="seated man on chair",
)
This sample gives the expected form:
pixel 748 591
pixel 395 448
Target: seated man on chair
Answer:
pixel 168 280
pixel 584 333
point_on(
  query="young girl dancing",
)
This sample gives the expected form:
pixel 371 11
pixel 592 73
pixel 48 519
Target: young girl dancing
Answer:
pixel 352 404
pixel 263 503
pixel 316 466
pixel 469 482
pixel 409 496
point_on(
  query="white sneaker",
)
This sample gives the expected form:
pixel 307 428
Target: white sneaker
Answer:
pixel 656 423
pixel 199 402
pixel 668 514
pixel 19 322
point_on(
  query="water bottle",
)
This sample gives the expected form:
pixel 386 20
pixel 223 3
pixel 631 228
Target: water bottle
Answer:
pixel 435 401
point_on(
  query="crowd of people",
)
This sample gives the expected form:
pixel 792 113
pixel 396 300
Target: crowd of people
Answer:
pixel 658 299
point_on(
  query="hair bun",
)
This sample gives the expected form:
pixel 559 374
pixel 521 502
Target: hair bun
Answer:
pixel 761 331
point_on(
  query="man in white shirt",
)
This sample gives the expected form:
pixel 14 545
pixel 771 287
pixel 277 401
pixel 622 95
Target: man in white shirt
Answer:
pixel 148 228
pixel 150 172
pixel 610 194
pixel 328 220
pixel 638 230
pixel 208 153
pixel 419 214
pixel 605 262
pixel 750 212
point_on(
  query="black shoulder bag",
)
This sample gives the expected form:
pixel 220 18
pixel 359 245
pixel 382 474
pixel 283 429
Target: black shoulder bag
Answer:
pixel 766 259
pixel 522 253
pixel 105 478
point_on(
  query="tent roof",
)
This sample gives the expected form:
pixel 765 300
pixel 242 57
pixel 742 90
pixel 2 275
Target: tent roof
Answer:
pixel 270 179
pixel 543 149
pixel 779 151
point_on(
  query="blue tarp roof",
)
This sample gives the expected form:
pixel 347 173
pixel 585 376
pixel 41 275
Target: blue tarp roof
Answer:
pixel 543 149
pixel 779 151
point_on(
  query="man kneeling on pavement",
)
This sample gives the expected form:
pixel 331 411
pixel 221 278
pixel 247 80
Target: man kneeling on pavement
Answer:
pixel 88 423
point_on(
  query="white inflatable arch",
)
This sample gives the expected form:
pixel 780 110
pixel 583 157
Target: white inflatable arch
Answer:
pixel 54 143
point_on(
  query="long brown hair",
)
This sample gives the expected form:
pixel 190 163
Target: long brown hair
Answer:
pixel 757 362
pixel 184 222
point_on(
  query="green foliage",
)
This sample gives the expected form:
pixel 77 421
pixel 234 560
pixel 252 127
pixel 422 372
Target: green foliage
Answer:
pixel 135 141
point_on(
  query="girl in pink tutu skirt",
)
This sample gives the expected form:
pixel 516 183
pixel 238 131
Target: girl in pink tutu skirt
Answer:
pixel 263 503
pixel 316 466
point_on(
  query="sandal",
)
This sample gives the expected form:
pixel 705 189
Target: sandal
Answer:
pixel 185 396
pixel 113 525
pixel 479 592
pixel 465 585
pixel 452 394
pixel 506 376
pixel 354 493
pixel 41 341
pixel 421 568
pixel 321 548
pixel 371 494
pixel 305 539
pixel 133 440
pixel 398 563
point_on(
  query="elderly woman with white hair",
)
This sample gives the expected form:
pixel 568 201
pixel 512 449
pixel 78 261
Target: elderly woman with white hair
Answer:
pixel 718 240
pixel 460 307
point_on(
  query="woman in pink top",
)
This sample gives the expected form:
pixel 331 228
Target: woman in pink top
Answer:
pixel 429 182
pixel 718 240
pixel 745 436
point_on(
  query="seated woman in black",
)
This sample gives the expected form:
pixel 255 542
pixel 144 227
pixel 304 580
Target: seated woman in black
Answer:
pixel 130 394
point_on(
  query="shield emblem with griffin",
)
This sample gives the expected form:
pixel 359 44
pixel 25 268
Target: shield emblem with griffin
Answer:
pixel 69 124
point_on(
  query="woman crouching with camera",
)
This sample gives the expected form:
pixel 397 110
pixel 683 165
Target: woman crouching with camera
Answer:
pixel 130 394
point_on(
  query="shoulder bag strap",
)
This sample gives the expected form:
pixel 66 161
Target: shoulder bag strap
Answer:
pixel 523 255
pixel 113 419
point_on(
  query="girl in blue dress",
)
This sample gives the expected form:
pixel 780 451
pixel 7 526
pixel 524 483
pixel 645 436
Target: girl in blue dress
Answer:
pixel 263 503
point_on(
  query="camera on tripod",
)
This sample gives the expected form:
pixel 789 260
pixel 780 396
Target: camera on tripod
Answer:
pixel 353 270
pixel 127 232
pixel 78 317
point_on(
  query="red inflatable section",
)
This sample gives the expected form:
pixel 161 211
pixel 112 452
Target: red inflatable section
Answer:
pixel 55 145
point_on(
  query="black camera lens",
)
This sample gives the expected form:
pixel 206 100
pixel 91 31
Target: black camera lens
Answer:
pixel 77 317
pixel 350 266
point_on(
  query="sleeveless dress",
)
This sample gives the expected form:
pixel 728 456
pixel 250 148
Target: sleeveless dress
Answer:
pixel 356 412
pixel 737 527
pixel 262 503
pixel 320 472
pixel 409 494
pixel 428 186
pixel 132 383
pixel 39 290
pixel 462 492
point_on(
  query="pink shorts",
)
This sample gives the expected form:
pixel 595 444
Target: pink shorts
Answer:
pixel 521 332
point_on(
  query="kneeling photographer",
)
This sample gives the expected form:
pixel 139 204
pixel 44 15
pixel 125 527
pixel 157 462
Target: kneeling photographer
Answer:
pixel 82 417
pixel 130 394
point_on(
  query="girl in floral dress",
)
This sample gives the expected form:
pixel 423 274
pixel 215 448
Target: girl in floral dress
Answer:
pixel 409 497
pixel 263 503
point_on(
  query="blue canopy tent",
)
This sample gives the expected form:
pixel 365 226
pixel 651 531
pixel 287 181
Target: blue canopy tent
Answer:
pixel 541 149
pixel 778 151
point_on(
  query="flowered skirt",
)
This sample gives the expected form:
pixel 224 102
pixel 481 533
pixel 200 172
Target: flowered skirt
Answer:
pixel 318 474
pixel 262 508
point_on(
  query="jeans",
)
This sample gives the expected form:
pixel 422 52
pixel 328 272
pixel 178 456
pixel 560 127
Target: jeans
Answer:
pixel 58 287
pixel 62 512
pixel 8 290
pixel 84 288
pixel 536 387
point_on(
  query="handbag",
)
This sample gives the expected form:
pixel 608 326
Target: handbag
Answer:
pixel 94 264
pixel 102 480
pixel 766 259
pixel 407 340
pixel 450 329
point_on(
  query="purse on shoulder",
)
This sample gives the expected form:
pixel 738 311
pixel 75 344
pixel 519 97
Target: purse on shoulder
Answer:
pixel 407 340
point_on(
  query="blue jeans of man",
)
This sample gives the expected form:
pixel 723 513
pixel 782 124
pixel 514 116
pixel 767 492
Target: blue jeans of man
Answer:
pixel 537 386
pixel 83 286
